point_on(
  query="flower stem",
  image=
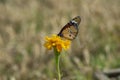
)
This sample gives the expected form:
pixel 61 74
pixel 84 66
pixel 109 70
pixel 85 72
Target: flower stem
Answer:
pixel 57 59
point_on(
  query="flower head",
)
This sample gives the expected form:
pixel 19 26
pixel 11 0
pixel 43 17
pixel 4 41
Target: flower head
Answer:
pixel 57 42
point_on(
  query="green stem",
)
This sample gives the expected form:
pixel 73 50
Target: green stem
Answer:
pixel 57 59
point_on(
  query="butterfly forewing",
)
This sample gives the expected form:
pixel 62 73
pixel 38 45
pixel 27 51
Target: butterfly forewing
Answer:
pixel 68 33
pixel 70 30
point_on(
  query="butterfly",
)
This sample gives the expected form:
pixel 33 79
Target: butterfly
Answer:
pixel 70 30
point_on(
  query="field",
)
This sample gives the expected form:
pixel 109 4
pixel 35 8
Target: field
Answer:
pixel 24 24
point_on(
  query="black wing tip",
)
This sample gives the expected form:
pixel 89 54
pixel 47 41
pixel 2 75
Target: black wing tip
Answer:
pixel 77 17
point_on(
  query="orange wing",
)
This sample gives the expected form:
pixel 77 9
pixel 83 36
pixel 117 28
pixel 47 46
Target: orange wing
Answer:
pixel 70 30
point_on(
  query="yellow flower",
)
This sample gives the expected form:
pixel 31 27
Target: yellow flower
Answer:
pixel 57 42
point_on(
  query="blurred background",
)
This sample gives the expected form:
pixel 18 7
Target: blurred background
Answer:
pixel 25 23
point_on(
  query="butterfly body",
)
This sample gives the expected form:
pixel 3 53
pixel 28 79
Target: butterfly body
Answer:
pixel 70 30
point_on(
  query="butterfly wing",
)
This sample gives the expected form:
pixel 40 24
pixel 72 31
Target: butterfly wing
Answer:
pixel 70 30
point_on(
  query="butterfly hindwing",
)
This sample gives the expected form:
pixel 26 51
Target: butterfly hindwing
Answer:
pixel 70 30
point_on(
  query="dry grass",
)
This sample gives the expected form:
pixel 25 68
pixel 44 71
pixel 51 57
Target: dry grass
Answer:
pixel 25 23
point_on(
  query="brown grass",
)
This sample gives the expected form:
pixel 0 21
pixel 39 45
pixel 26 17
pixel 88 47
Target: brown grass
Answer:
pixel 25 23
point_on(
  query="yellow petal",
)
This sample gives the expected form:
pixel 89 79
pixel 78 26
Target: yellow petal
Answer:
pixel 56 41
